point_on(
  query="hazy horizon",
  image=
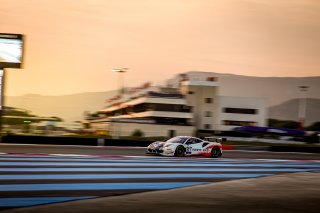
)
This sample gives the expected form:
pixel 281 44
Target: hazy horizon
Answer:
pixel 163 83
pixel 72 46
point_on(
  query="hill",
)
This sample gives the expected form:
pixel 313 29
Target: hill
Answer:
pixel 275 90
pixel 289 110
pixel 68 107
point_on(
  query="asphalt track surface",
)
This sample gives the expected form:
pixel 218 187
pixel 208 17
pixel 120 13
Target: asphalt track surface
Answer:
pixel 140 151
pixel 33 176
pixel 29 180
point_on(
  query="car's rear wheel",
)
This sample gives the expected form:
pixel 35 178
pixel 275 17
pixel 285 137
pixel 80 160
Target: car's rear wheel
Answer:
pixel 216 152
pixel 179 151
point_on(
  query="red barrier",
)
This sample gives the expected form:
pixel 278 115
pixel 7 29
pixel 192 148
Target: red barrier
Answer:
pixel 227 147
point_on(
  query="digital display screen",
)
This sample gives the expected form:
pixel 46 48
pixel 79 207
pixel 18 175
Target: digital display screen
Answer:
pixel 11 50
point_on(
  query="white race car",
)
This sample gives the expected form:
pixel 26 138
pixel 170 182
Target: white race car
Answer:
pixel 187 146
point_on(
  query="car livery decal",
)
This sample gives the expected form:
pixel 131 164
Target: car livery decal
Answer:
pixel 188 150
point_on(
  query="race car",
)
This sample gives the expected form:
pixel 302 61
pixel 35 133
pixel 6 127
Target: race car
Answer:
pixel 180 146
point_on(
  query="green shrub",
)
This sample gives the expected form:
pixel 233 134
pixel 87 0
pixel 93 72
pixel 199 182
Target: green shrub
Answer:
pixel 137 133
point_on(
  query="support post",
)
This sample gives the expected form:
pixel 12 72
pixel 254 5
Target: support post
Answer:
pixel 1 100
pixel 302 106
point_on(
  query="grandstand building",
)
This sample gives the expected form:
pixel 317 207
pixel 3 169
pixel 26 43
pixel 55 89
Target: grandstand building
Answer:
pixel 192 107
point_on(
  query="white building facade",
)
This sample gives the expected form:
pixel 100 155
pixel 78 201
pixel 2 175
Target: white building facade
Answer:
pixel 214 113
pixel 240 111
pixel 192 108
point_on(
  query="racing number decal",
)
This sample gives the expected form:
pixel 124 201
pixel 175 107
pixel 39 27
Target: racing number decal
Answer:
pixel 188 150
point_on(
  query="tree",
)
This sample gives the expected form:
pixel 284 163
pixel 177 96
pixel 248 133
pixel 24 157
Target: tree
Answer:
pixel 137 133
pixel 57 119
pixel 283 124
pixel 314 127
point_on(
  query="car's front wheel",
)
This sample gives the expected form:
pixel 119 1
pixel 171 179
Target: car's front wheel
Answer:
pixel 179 151
pixel 216 152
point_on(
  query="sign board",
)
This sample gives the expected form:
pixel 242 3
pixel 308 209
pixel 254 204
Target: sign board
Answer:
pixel 11 50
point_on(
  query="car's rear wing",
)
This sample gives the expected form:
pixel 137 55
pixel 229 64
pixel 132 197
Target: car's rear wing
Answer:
pixel 215 139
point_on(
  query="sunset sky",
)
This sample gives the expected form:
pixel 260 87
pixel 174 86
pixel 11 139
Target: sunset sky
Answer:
pixel 72 45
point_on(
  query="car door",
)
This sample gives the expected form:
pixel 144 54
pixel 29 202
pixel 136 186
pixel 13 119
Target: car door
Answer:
pixel 188 145
pixel 193 146
pixel 196 146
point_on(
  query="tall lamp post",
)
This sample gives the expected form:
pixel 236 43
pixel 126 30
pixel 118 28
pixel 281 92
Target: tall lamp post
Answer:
pixel 302 106
pixel 1 100
pixel 121 89
pixel 121 77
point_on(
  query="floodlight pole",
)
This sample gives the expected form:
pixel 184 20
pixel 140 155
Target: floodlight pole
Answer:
pixel 1 99
pixel 121 88
pixel 302 106
pixel 121 79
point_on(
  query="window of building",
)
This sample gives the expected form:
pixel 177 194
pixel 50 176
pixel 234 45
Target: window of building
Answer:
pixel 186 108
pixel 176 108
pixel 161 107
pixel 171 133
pixel 240 110
pixel 208 100
pixel 208 114
pixel 239 123
pixel 207 126
pixel 190 92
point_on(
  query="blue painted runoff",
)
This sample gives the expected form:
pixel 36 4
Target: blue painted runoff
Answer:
pixel 163 169
pixel 32 201
pixel 98 186
pixel 154 164
pixel 124 176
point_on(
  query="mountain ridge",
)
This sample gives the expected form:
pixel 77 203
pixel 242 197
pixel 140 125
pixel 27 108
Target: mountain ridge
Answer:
pixel 275 91
pixel 68 107
pixel 289 110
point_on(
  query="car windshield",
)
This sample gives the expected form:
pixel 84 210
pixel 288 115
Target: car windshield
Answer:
pixel 177 140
